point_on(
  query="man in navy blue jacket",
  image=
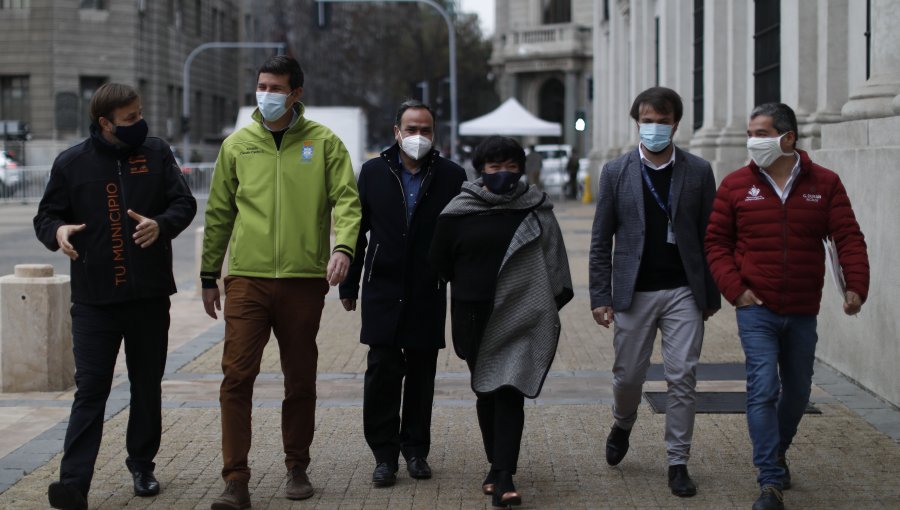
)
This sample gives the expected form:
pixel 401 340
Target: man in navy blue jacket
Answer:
pixel 113 205
pixel 404 303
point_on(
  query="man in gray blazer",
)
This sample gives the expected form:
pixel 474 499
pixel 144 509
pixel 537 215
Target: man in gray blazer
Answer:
pixel 648 273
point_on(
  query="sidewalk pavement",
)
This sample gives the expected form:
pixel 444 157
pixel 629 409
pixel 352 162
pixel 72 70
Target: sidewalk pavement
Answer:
pixel 846 457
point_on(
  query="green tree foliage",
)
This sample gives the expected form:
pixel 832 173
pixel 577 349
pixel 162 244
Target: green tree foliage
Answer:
pixel 372 55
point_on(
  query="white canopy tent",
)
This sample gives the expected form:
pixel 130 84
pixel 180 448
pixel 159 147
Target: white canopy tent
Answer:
pixel 509 119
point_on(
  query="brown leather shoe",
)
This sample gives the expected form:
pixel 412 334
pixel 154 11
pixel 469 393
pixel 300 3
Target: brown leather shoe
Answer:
pixel 298 486
pixel 236 496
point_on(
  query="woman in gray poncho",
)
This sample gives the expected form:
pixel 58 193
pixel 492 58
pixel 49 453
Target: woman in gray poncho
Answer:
pixel 499 244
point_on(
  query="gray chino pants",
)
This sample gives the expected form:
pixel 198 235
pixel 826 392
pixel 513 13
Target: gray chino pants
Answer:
pixel 675 314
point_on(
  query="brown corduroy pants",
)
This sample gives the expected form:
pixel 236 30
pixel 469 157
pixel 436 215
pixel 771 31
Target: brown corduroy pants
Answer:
pixel 254 307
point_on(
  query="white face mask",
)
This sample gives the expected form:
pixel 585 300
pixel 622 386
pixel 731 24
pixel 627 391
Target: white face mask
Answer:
pixel 764 151
pixel 416 146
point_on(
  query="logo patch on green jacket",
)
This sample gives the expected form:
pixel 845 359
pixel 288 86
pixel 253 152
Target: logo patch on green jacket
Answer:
pixel 306 154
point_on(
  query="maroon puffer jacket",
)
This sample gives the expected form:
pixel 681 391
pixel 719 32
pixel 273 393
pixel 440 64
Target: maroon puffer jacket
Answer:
pixel 755 242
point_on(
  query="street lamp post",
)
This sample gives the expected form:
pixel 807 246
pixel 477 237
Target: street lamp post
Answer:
pixel 186 93
pixel 454 121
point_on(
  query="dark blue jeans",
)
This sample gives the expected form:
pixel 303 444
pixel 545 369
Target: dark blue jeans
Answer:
pixel 779 350
pixel 97 333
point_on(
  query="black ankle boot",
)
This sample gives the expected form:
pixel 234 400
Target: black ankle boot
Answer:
pixel 505 494
pixel 489 483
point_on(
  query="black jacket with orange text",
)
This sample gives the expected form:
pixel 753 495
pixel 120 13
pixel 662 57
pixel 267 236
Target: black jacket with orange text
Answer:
pixel 95 183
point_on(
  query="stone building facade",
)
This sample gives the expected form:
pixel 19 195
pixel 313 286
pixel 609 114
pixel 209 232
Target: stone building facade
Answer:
pixel 55 54
pixel 542 56
pixel 836 62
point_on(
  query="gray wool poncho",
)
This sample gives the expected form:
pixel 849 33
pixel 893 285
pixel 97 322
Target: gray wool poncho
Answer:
pixel 521 336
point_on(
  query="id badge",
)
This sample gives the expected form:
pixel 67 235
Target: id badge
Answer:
pixel 670 234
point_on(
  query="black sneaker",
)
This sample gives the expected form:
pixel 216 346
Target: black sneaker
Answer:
pixel 770 498
pixel 786 479
pixel 680 481
pixel 616 445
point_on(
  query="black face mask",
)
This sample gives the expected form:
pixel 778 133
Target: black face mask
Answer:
pixel 133 135
pixel 501 182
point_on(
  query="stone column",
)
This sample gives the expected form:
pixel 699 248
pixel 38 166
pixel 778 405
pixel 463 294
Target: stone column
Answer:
pixel 599 125
pixel 799 65
pixel 831 72
pixel 676 62
pixel 877 97
pixel 35 330
pixel 571 103
pixel 727 90
pixel 621 86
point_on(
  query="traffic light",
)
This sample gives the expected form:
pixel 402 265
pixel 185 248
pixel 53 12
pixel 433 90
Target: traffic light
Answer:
pixel 580 121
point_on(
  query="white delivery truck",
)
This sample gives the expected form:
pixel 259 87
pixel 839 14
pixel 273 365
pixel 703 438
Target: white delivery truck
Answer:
pixel 347 122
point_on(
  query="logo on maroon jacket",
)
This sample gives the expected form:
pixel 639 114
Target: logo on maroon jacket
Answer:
pixel 754 194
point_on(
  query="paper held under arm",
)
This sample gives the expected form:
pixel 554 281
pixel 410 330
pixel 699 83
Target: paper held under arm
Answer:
pixel 834 266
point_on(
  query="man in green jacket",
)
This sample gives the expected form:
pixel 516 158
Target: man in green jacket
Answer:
pixel 273 190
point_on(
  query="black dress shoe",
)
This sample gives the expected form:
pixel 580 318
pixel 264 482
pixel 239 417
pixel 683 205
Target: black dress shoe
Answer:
pixel 418 468
pixel 489 483
pixel 384 475
pixel 145 484
pixel 616 445
pixel 66 497
pixel 680 481
pixel 505 494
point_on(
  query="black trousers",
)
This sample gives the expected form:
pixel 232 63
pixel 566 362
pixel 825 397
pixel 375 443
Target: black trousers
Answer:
pixel 501 413
pixel 97 333
pixel 387 433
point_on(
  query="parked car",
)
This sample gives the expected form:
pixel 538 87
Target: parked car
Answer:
pixel 10 175
pixel 554 178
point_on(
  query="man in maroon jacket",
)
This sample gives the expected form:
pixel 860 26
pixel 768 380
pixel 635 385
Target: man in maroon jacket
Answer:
pixel 765 251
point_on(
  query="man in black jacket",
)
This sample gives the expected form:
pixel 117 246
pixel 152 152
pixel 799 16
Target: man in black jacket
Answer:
pixel 404 303
pixel 113 205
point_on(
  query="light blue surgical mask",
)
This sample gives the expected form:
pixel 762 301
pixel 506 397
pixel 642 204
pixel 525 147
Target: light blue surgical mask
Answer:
pixel 271 105
pixel 656 137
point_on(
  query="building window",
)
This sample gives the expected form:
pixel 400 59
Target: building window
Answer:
pixel 656 49
pixel 557 11
pixel 698 64
pixel 87 85
pixel 15 4
pixel 198 17
pixel 14 103
pixel 92 4
pixel 868 38
pixel 767 52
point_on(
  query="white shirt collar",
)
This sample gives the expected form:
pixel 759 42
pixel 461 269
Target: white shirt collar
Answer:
pixel 783 193
pixel 647 162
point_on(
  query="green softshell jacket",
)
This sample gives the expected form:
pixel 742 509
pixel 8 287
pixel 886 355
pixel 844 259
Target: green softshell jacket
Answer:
pixel 275 205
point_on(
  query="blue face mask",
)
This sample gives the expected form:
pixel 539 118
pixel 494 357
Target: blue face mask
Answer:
pixel 271 105
pixel 656 137
pixel 501 182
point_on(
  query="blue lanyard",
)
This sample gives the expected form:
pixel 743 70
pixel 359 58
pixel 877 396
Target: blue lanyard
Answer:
pixel 667 208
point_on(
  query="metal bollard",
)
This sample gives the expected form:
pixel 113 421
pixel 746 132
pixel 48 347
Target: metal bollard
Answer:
pixel 35 330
